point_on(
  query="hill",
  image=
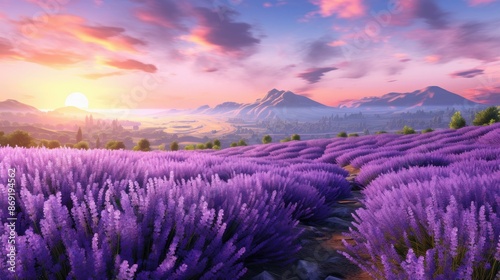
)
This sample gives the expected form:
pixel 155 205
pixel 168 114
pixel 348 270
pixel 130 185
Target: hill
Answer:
pixel 11 105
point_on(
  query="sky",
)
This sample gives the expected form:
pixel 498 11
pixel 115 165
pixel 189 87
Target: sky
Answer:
pixel 146 54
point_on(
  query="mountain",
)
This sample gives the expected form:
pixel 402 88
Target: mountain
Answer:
pixel 70 110
pixel 276 103
pixel 429 96
pixel 11 105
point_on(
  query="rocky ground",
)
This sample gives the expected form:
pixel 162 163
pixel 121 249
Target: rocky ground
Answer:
pixel 319 258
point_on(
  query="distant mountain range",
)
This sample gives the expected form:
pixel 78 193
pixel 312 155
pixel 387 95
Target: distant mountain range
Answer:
pixel 429 96
pixel 288 105
pixel 11 105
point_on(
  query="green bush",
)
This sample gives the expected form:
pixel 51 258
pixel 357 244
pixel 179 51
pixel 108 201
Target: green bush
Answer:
pixel 209 145
pixel 287 139
pixel 457 121
pixel 295 137
pixel 234 144
pixel 53 144
pixel 215 147
pixel 143 145
pixel 427 130
pixel 82 145
pixel 408 130
pixel 381 132
pixel 190 147
pixel 69 145
pixel 115 145
pixel 342 134
pixel 20 138
pixel 242 142
pixel 43 143
pixel 174 146
pixel 217 143
pixel 488 116
pixel 200 146
pixel 352 135
pixel 267 139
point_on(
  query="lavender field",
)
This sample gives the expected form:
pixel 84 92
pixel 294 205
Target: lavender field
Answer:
pixel 431 204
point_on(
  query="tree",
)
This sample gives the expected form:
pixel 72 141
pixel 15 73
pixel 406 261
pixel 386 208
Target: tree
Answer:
pixel 200 146
pixel 352 135
pixel 217 143
pixel 43 143
pixel 79 135
pixel 174 146
pixel 215 147
pixel 381 132
pixel 267 139
pixel 3 139
pixel 242 142
pixel 54 144
pixel 408 130
pixel 295 137
pixel 115 145
pixel 143 145
pixel 457 121
pixel 82 145
pixel 286 139
pixel 342 134
pixel 98 142
pixel 209 145
pixel 486 116
pixel 234 144
pixel 20 138
pixel 427 130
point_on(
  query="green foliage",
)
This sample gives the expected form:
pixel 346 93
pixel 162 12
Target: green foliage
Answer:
pixel 143 145
pixel 353 135
pixel 174 146
pixel 209 145
pixel 234 144
pixel 115 145
pixel 162 147
pixel 20 138
pixel 427 130
pixel 215 147
pixel 54 144
pixel 342 134
pixel 82 145
pixel 98 143
pixel 190 147
pixel 267 139
pixel 200 146
pixel 242 143
pixel 488 116
pixel 380 132
pixel 457 121
pixel 295 137
pixel 43 143
pixel 79 135
pixel 217 143
pixel 287 139
pixel 408 130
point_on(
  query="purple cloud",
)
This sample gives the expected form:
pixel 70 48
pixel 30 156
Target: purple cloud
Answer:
pixel 314 75
pixel 431 13
pixel 131 64
pixel 321 50
pixel 468 73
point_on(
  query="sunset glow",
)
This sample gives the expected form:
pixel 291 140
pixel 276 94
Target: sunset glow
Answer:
pixel 208 52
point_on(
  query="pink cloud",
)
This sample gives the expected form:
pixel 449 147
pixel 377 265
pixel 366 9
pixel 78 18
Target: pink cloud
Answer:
pixel 480 2
pixel 131 64
pixel 341 8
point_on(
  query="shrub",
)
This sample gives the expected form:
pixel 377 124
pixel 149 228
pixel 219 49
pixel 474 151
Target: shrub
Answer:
pixel 215 147
pixel 82 145
pixel 234 144
pixel 342 134
pixel 174 146
pixel 43 143
pixel 190 147
pixel 352 135
pixel 242 142
pixel 488 116
pixel 295 137
pixel 217 143
pixel 115 145
pixel 381 132
pixel 209 145
pixel 20 138
pixel 286 139
pixel 457 121
pixel 408 130
pixel 427 130
pixel 53 144
pixel 200 146
pixel 143 145
pixel 267 139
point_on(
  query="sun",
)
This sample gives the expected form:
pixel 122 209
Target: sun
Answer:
pixel 77 99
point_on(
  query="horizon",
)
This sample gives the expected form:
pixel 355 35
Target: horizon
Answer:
pixel 163 55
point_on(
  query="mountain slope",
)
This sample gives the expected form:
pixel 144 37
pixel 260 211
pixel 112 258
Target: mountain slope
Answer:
pixel 11 105
pixel 429 96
